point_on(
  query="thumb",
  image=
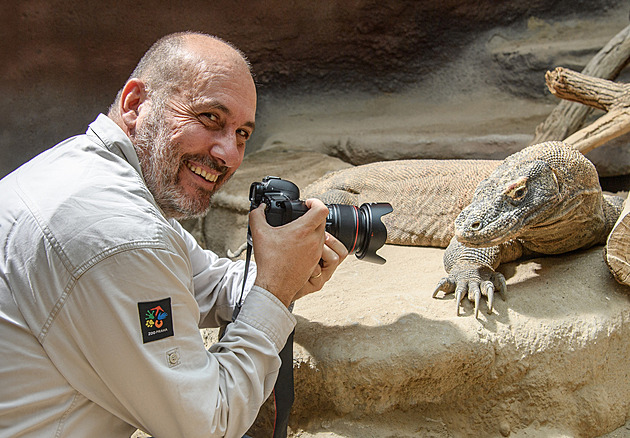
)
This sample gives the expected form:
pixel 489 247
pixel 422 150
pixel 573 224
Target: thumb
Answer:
pixel 257 217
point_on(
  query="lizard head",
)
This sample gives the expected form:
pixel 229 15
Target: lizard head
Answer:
pixel 515 197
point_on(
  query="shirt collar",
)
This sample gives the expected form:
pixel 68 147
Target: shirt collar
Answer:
pixel 109 134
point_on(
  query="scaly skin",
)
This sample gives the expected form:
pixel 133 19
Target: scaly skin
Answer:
pixel 545 199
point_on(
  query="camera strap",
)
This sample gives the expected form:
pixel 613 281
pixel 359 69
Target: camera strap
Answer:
pixel 248 257
pixel 283 390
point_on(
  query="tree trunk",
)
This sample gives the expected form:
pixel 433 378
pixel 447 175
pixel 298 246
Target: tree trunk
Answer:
pixel 606 95
pixel 568 117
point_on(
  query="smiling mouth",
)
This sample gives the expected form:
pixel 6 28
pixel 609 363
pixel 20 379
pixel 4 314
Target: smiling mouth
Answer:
pixel 202 173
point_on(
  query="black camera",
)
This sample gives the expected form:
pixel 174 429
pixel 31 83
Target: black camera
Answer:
pixel 360 229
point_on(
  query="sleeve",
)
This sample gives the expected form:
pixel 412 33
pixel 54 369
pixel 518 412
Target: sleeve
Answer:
pixel 159 377
pixel 217 281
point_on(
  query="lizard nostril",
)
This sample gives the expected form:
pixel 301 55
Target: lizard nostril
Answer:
pixel 475 225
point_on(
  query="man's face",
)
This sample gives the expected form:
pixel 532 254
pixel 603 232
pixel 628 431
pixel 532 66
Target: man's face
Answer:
pixel 191 143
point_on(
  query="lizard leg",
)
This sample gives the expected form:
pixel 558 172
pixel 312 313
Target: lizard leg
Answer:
pixel 471 274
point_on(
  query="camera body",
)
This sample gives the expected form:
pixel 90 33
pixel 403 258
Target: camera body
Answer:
pixel 360 229
pixel 282 198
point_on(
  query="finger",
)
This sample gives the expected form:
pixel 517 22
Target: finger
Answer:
pixel 333 253
pixel 329 261
pixel 257 217
pixel 314 203
pixel 258 225
pixel 314 283
pixel 336 245
pixel 317 275
pixel 334 249
pixel 317 211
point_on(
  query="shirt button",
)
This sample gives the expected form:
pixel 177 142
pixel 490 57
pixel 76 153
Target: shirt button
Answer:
pixel 173 358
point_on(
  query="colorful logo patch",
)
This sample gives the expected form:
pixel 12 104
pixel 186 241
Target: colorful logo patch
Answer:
pixel 156 320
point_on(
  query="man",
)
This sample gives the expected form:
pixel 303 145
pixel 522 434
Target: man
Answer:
pixel 102 292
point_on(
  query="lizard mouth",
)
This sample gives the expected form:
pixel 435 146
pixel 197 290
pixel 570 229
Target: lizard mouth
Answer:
pixel 476 238
pixel 202 173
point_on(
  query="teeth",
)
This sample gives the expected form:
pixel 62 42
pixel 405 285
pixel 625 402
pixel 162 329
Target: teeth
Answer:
pixel 202 173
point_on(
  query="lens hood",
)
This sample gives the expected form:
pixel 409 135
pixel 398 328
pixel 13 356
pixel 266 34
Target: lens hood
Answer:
pixel 376 238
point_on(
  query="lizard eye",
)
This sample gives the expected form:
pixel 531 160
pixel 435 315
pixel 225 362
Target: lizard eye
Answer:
pixel 520 193
pixel 517 190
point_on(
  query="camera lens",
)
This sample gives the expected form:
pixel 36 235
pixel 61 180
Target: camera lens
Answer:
pixel 360 229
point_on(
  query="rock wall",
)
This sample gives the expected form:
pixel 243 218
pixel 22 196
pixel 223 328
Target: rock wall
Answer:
pixel 63 62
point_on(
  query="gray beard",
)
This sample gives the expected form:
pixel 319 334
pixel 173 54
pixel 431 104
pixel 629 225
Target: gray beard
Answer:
pixel 160 162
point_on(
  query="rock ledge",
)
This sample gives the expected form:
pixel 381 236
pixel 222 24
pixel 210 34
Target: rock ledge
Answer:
pixel 376 356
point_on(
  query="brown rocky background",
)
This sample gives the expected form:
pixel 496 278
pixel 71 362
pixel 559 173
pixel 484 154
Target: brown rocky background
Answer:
pixel 348 82
pixel 63 61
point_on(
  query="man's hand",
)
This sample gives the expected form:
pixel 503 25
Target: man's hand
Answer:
pixel 334 252
pixel 297 258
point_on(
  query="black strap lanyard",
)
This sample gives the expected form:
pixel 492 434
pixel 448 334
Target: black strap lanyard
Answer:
pixel 283 390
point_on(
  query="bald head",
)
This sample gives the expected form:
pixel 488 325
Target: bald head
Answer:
pixel 178 59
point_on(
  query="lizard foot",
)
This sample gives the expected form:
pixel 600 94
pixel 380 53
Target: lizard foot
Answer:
pixel 474 281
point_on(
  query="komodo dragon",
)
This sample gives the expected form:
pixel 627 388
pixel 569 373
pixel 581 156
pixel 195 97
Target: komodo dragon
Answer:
pixel 544 199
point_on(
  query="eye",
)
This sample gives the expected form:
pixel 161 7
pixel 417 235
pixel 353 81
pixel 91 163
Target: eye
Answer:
pixel 243 133
pixel 210 116
pixel 517 190
pixel 520 193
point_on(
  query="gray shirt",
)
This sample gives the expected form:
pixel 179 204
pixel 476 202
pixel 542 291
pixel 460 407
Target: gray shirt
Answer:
pixel 101 300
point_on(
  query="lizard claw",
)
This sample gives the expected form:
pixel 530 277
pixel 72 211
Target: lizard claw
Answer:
pixel 477 300
pixel 488 290
pixel 502 284
pixel 459 296
pixel 475 283
pixel 446 284
pixel 474 295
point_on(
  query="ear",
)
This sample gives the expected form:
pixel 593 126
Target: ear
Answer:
pixel 133 96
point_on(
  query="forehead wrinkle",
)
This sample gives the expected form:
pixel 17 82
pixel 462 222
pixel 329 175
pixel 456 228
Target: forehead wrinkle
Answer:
pixel 209 74
pixel 200 80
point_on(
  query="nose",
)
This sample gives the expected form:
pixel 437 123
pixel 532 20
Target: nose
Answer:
pixel 225 148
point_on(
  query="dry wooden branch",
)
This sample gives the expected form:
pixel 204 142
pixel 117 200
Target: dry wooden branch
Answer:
pixel 598 93
pixel 567 117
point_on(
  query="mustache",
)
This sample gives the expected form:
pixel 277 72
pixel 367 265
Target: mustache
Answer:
pixel 206 161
